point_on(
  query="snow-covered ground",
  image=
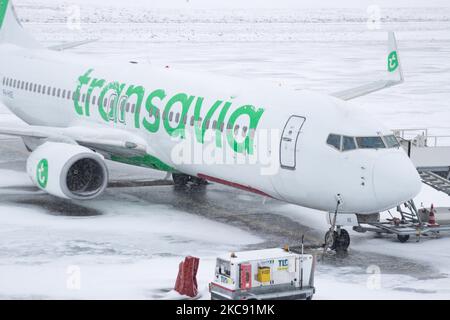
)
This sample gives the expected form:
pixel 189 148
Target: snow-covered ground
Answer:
pixel 128 243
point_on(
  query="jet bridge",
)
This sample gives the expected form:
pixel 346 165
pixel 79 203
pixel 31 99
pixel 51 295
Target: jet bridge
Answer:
pixel 430 154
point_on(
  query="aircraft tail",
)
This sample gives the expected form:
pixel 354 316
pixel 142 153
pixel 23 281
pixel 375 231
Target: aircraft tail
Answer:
pixel 11 30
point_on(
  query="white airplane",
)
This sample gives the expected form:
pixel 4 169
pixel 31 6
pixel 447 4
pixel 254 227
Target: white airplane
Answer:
pixel 82 111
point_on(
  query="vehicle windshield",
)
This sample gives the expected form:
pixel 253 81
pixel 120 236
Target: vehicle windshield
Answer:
pixel 223 267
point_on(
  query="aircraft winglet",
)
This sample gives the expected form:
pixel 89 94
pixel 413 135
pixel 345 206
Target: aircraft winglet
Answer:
pixel 393 70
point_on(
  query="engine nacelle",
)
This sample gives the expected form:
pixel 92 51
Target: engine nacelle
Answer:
pixel 68 171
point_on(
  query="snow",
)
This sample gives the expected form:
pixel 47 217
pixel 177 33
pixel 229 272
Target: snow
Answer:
pixel 128 245
pixel 127 253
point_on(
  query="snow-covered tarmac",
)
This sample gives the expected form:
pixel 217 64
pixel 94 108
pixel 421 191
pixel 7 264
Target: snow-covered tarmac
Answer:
pixel 128 243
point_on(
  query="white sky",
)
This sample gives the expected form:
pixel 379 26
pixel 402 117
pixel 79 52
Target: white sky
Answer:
pixel 259 3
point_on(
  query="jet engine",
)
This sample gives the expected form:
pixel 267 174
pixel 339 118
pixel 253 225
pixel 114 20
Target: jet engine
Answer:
pixel 68 171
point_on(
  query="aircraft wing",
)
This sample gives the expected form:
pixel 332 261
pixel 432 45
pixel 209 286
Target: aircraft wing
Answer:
pixel 107 141
pixel 394 75
pixel 70 45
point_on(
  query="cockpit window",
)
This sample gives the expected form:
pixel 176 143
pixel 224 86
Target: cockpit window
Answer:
pixel 370 142
pixel 391 141
pixel 334 140
pixel 348 143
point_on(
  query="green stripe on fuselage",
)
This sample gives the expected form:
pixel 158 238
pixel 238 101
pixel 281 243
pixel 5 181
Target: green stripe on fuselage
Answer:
pixel 146 161
pixel 3 8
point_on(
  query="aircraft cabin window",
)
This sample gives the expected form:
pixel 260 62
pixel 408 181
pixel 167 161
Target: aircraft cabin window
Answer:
pixel 69 93
pixel 348 143
pixel 49 90
pixel 370 142
pixel 54 92
pixel 22 86
pixel 214 125
pixel 63 94
pixel 222 126
pixel 177 117
pixel 170 116
pixel 192 121
pixel 391 141
pixel 334 140
pixel 44 89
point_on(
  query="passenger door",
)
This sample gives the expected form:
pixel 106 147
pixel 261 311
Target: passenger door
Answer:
pixel 289 139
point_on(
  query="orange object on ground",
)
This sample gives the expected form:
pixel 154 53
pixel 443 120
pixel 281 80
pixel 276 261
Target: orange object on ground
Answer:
pixel 432 219
pixel 186 283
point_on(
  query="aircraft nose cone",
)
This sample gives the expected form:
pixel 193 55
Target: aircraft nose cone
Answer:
pixel 395 180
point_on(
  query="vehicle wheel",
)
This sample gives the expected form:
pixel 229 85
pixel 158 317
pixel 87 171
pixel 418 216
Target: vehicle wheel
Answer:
pixel 403 237
pixel 330 239
pixel 342 241
pixel 180 179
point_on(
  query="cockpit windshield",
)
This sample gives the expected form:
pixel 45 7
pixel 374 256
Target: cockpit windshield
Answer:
pixel 391 141
pixel 370 143
pixel 347 143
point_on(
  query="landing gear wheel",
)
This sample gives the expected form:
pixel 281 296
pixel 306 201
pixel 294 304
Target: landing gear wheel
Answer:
pixel 180 179
pixel 342 241
pixel 330 239
pixel 199 181
pixel 403 238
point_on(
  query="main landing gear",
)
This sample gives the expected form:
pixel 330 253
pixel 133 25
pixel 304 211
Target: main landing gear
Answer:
pixel 181 180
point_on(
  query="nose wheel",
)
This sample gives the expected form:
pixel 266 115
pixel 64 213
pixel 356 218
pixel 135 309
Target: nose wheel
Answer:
pixel 338 241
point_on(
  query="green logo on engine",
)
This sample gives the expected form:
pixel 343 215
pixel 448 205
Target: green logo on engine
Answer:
pixel 42 173
pixel 392 61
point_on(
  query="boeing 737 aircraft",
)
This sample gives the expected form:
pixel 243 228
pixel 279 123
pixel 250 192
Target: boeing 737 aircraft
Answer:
pixel 329 155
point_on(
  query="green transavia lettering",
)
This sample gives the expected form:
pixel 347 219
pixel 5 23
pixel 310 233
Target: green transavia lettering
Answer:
pixel 116 95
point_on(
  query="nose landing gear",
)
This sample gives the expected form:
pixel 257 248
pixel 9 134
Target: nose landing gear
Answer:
pixel 338 241
pixel 336 238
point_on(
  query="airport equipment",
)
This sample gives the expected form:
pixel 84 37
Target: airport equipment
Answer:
pixel 412 222
pixel 264 275
pixel 186 283
pixel 430 154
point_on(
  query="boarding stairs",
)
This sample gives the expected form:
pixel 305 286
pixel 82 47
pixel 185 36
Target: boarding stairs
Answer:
pixel 430 154
pixel 436 181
